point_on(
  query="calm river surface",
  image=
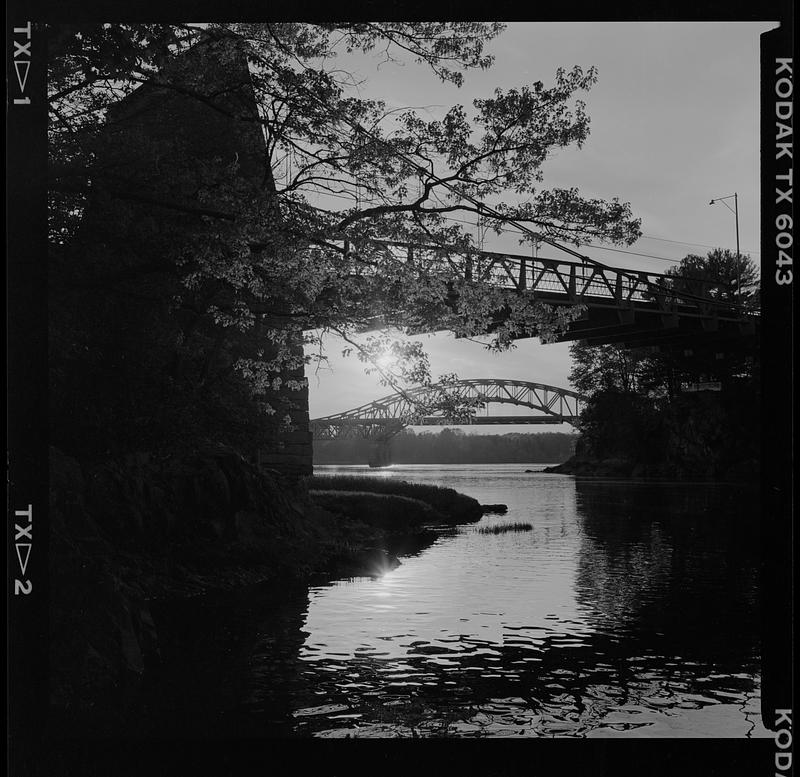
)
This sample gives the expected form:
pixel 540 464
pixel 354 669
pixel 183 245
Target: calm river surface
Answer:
pixel 629 610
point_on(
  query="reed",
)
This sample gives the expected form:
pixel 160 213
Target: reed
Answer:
pixel 505 528
pixel 454 507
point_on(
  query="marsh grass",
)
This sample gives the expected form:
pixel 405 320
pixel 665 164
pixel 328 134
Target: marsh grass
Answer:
pixel 505 528
pixel 380 510
pixel 455 507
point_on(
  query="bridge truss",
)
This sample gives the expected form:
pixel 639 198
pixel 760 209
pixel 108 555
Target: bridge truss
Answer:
pixel 628 306
pixel 385 417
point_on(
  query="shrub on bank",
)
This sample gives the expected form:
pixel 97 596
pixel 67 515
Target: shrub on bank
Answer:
pixel 454 507
pixel 697 436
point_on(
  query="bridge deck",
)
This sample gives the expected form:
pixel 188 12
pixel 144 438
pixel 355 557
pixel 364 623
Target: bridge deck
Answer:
pixel 633 307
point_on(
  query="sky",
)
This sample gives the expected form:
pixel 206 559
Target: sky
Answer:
pixel 674 124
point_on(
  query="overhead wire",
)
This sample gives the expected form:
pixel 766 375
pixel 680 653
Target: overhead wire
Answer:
pixel 481 207
pixel 686 243
pixel 522 230
pixel 594 245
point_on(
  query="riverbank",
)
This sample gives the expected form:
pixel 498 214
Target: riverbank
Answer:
pixel 613 578
pixel 742 471
pixel 710 436
pixel 129 535
pixel 595 468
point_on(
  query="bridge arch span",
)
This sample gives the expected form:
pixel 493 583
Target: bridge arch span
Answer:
pixel 385 417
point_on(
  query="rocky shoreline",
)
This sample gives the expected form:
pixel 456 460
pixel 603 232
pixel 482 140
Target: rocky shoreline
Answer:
pixel 128 536
pixel 596 468
pixel 741 471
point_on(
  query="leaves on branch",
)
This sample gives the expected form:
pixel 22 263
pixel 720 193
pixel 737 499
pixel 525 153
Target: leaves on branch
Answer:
pixel 303 237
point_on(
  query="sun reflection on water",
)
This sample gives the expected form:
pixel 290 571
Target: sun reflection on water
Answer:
pixel 578 627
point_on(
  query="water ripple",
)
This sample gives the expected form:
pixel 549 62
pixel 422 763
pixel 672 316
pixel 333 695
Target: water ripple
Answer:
pixel 595 623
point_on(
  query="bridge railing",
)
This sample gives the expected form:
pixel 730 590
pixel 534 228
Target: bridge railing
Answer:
pixel 576 282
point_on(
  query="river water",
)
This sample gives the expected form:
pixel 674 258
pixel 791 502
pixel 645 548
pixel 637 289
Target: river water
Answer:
pixel 629 609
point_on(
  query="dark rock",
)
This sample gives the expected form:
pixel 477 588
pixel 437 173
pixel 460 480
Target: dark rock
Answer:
pixel 128 536
pixel 250 526
pixel 125 533
pixel 499 509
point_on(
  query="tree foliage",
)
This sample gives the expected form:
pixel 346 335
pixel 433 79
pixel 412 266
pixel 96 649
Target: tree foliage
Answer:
pixel 658 372
pixel 452 446
pixel 636 411
pixel 720 274
pixel 617 368
pixel 301 240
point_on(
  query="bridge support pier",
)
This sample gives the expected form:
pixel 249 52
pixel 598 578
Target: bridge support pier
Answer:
pixel 380 454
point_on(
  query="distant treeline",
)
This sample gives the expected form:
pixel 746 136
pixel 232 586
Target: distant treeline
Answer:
pixel 452 446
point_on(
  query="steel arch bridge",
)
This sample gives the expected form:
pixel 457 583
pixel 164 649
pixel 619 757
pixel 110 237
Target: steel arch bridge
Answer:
pixel 385 417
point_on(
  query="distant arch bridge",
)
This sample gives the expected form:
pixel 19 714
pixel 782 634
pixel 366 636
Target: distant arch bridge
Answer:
pixel 385 417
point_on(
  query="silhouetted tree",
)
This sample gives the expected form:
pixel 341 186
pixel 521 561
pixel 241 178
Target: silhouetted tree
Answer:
pixel 719 274
pixel 295 241
pixel 453 446
pixel 618 368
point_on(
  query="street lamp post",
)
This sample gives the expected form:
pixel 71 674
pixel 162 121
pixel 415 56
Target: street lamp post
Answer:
pixel 735 211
